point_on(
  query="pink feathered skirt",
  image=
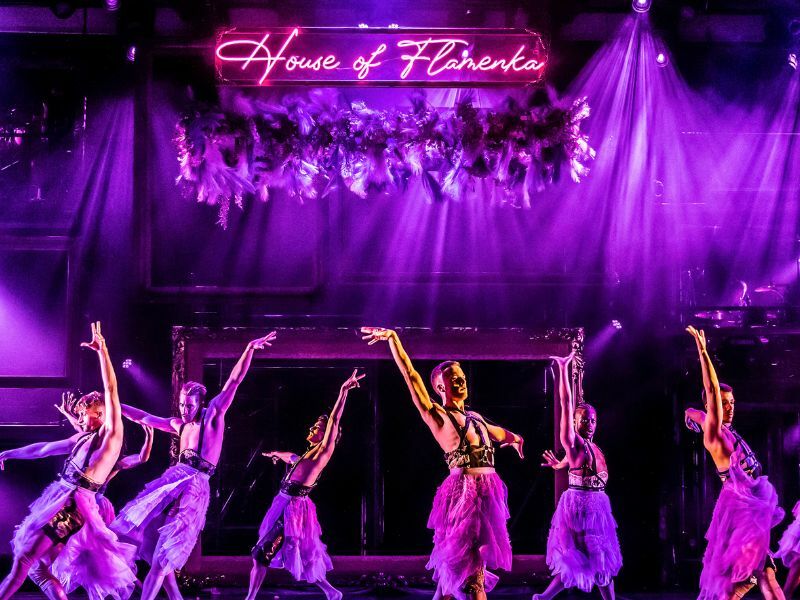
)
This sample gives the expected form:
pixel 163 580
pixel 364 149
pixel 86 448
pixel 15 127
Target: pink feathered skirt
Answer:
pixel 302 554
pixel 468 519
pixel 789 546
pixel 166 518
pixel 582 547
pixel 738 537
pixel 93 558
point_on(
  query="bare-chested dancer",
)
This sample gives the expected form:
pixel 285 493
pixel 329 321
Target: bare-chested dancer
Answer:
pixel 470 509
pixel 64 524
pixel 289 535
pixel 582 547
pixel 737 555
pixel 166 518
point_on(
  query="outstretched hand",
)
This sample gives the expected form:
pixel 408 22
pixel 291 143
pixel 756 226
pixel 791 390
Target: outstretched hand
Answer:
pixel 550 460
pixel 699 338
pixel 273 455
pixel 353 380
pixel 517 445
pixel 563 361
pixel 98 342
pixel 148 431
pixel 376 334
pixel 67 402
pixel 263 342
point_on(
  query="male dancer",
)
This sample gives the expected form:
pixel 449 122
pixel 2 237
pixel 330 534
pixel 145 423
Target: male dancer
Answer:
pixel 64 521
pixel 289 535
pixel 737 555
pixel 166 518
pixel 470 509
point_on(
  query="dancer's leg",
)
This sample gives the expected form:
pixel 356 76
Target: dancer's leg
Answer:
pixel 153 582
pixel 768 584
pixel 40 546
pixel 331 593
pixel 171 587
pixel 552 590
pixel 792 580
pixel 474 588
pixel 607 591
pixel 258 573
pixel 741 589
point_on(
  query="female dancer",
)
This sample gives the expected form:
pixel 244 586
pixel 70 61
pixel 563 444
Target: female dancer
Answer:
pixel 289 535
pixel 64 523
pixel 471 508
pixel 789 553
pixel 582 548
pixel 737 555
pixel 166 518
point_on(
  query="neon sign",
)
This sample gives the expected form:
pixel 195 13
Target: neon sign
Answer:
pixel 330 56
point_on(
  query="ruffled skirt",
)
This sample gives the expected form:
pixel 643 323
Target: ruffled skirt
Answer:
pixel 93 558
pixel 302 554
pixel 469 531
pixel 106 509
pixel 165 520
pixel 582 547
pixel 789 546
pixel 738 537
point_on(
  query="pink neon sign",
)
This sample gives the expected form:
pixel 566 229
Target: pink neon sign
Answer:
pixel 329 56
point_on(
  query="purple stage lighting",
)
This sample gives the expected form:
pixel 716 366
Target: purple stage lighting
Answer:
pixel 616 324
pixel 793 60
pixel 112 5
pixel 127 363
pixel 662 60
pixel 641 5
pixel 131 55
pixel 394 26
pixel 363 26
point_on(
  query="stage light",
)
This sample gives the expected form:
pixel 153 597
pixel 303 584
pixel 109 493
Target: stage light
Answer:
pixel 363 26
pixel 127 363
pixel 112 5
pixel 394 26
pixel 641 6
pixel 793 60
pixel 662 60
pixel 616 324
pixel 131 55
pixel 62 9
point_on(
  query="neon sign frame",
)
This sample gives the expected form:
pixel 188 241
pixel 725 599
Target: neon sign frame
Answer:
pixel 322 56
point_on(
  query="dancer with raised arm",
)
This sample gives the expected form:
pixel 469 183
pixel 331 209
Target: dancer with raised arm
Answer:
pixel 68 409
pixel 737 555
pixel 289 535
pixel 64 524
pixel 166 518
pixel 582 547
pixel 470 509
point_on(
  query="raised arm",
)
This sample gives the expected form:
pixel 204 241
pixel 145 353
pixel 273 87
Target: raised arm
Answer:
pixel 65 408
pixel 712 426
pixel 566 426
pixel 332 428
pixel 415 383
pixel 137 415
pixel 220 404
pixel 113 411
pixel 288 457
pixel 39 450
pixel 134 460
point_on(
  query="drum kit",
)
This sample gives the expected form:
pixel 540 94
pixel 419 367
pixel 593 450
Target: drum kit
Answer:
pixel 765 306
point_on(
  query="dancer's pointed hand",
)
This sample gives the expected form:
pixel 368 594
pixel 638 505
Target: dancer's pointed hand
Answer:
pixel 98 342
pixel 376 334
pixel 517 445
pixel 353 380
pixel 699 338
pixel 263 342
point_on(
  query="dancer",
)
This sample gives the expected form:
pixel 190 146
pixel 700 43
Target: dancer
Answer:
pixel 289 535
pixel 67 408
pixel 789 553
pixel 582 547
pixel 166 518
pixel 470 509
pixel 737 555
pixel 64 524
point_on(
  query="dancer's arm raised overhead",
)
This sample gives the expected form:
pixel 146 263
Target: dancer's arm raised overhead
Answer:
pixel 415 383
pixel 112 430
pixel 328 443
pixel 712 423
pixel 566 429
pixel 220 404
pixel 134 460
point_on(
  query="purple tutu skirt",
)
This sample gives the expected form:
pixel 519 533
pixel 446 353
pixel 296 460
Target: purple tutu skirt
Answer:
pixel 738 537
pixel 93 558
pixel 166 518
pixel 789 546
pixel 469 531
pixel 106 509
pixel 582 547
pixel 303 554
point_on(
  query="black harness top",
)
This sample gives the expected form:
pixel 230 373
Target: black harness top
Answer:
pixel 467 456
pixel 748 462
pixel 587 477
pixel 74 474
pixel 192 457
